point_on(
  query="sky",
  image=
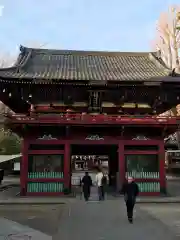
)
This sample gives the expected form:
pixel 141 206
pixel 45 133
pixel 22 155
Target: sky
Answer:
pixel 105 25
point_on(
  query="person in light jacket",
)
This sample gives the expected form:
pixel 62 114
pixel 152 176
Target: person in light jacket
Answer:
pixel 101 182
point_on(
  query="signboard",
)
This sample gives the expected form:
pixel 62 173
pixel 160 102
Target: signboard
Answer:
pixel 82 163
pixel 95 137
pixel 88 162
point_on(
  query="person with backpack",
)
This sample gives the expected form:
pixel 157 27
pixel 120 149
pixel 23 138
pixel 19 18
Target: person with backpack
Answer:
pixel 101 182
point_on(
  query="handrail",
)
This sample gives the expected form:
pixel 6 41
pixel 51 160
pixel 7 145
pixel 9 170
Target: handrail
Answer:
pixel 88 117
pixel 78 115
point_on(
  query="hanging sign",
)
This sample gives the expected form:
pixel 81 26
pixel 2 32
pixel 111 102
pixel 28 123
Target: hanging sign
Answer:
pixel 94 138
pixel 47 137
pixel 140 138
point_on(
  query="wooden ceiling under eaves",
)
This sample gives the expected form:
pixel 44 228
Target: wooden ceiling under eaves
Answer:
pixel 53 66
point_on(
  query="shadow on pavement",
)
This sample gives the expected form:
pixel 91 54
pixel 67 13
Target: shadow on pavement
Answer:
pixel 42 218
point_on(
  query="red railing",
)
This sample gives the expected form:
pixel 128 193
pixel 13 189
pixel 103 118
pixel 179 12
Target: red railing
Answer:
pixel 93 119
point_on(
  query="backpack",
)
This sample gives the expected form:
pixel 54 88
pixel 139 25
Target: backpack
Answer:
pixel 104 180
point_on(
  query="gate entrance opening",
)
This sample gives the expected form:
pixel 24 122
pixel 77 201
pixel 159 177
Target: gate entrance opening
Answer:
pixel 90 157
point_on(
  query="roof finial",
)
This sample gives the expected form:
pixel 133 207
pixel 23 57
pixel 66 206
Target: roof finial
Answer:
pixel 21 48
pixel 159 54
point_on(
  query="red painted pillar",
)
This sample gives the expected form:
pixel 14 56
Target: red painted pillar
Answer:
pixel 24 167
pixel 121 162
pixel 67 165
pixel 162 172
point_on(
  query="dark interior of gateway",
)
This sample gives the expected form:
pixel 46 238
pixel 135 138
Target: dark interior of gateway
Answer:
pixel 105 152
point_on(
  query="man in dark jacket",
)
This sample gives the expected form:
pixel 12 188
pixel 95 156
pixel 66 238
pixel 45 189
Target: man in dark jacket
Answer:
pixel 130 191
pixel 86 186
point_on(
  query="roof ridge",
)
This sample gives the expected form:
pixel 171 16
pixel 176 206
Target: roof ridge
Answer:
pixel 25 58
pixel 84 52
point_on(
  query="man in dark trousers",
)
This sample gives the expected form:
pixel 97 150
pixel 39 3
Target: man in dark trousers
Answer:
pixel 86 186
pixel 130 191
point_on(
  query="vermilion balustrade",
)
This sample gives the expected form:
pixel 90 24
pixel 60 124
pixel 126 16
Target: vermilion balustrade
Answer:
pixel 88 118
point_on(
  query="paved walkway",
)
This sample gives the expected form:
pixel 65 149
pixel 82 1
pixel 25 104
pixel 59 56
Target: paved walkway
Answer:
pixel 107 220
pixel 12 230
pixel 168 214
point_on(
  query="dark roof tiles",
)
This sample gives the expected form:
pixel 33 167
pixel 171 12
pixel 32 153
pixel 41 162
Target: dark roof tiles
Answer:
pixel 48 64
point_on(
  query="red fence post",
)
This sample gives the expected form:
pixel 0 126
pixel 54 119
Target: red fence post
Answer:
pixel 24 167
pixel 67 165
pixel 162 171
pixel 121 162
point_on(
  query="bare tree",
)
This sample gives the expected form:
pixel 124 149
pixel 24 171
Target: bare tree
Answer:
pixel 7 60
pixel 178 21
pixel 6 136
pixel 167 39
pixel 167 42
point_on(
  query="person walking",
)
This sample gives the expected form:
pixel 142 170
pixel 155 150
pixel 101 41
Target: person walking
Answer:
pixel 80 187
pixel 101 182
pixel 86 183
pixel 130 190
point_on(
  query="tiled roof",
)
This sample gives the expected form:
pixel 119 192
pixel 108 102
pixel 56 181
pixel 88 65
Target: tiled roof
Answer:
pixel 46 64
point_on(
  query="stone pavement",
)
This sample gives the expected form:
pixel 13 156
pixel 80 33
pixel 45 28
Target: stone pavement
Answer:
pixel 9 193
pixel 168 214
pixel 107 220
pixel 29 222
pixel 10 230
pixel 6 199
pixel 11 180
pixel 173 188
